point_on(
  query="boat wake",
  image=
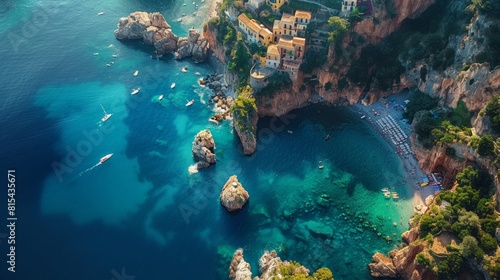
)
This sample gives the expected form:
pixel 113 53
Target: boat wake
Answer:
pixel 89 169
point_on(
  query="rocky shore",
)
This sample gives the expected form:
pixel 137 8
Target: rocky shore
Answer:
pixel 203 149
pixel 220 98
pixel 154 30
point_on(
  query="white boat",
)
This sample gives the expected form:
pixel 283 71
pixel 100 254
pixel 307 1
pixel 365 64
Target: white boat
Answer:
pixel 105 158
pixel 100 13
pixel 179 19
pixel 184 4
pixel 385 189
pixel 363 116
pixel 184 69
pixel 96 53
pixel 197 73
pixel 172 85
pixel 190 102
pixel 136 73
pixel 108 65
pixel 136 90
pixel 115 56
pixel 160 97
pixel 106 115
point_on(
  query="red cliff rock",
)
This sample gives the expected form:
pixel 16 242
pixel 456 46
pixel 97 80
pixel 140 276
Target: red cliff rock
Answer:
pixel 387 19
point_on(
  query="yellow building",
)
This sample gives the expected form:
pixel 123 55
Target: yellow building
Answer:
pixel 292 48
pixel 275 4
pixel 253 31
pixel 291 25
pixel 273 59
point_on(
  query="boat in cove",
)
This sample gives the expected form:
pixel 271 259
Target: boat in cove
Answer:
pixel 172 85
pixel 136 73
pixel 105 158
pixel 190 102
pixel 106 115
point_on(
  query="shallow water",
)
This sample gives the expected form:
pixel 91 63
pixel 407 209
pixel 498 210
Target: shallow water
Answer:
pixel 141 213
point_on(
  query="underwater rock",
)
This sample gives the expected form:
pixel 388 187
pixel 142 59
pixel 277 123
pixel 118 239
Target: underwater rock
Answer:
pixel 233 196
pixel 319 229
pixel 239 269
pixel 203 148
pixel 259 216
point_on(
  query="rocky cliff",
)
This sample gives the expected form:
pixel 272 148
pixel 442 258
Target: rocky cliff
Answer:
pixel 388 17
pixel 218 50
pixel 154 30
pixel 239 268
pixel 247 133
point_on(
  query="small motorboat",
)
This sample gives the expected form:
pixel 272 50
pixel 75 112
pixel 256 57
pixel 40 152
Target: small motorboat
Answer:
pixel 179 19
pixel 289 131
pixel 172 85
pixel 100 13
pixel 114 55
pixel 190 102
pixel 363 116
pixel 395 195
pixel 136 73
pixel 96 53
pixel 385 189
pixel 135 91
pixel 105 158
pixel 160 97
pixel 197 73
pixel 184 69
pixel 108 65
pixel 184 4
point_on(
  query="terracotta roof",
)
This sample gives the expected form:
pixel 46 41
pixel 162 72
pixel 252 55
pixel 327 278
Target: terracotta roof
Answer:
pixel 285 43
pixel 265 32
pixel 250 23
pixel 299 41
pixel 273 49
pixel 303 14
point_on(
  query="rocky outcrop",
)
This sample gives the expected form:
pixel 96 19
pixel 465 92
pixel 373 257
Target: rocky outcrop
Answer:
pixel 233 196
pixel 268 264
pixel 218 50
pixel 192 46
pixel 203 149
pixel 382 266
pixel 247 132
pixel 388 17
pixel 404 261
pixel 239 268
pixel 153 29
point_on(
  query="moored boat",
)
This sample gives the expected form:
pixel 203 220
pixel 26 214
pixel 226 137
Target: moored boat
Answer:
pixel 190 102
pixel 135 91
pixel 160 97
pixel 106 115
pixel 184 69
pixel 172 85
pixel 136 73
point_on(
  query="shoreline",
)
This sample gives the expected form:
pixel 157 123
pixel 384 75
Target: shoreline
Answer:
pixel 213 9
pixel 412 171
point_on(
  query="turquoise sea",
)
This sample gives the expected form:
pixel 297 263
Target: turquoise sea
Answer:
pixel 141 214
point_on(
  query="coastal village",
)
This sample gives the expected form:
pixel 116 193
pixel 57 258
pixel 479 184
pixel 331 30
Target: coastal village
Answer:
pixel 281 47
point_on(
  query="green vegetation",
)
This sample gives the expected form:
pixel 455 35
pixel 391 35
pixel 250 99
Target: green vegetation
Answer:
pixel 450 267
pixel 295 271
pixel 334 4
pixel 338 27
pixel 294 5
pixel 240 61
pixel 266 15
pixel 277 81
pixel 244 108
pixel 424 261
pixel 493 111
pixel 418 102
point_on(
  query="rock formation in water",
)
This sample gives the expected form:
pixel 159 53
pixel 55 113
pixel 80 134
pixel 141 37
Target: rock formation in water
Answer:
pixel 203 149
pixel 154 30
pixel 247 133
pixel 239 269
pixel 233 196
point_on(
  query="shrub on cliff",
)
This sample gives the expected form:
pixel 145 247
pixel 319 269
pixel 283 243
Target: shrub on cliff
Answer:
pixel 493 111
pixel 243 109
pixel 450 267
pixel 323 274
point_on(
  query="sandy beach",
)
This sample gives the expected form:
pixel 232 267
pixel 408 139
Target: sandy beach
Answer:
pixel 383 110
pixel 213 8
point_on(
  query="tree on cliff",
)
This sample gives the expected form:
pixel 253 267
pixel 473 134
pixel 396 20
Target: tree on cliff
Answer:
pixel 493 111
pixel 338 27
pixel 243 108
pixel 240 58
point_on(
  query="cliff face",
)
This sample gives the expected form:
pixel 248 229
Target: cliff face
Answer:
pixel 388 17
pixel 248 137
pixel 218 50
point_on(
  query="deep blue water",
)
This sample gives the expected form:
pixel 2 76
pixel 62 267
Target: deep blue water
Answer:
pixel 141 213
